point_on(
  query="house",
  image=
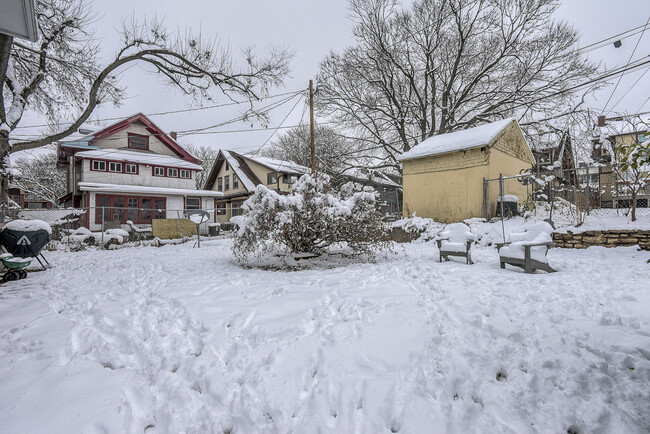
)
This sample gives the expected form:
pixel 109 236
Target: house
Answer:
pixel 27 199
pixel 130 170
pixel 555 158
pixel 236 176
pixel 390 191
pixel 443 175
pixel 618 133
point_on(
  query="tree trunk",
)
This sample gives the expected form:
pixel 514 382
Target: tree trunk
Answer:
pixel 634 194
pixel 5 50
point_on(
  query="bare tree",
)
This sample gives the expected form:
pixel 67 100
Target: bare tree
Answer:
pixel 437 66
pixel 207 155
pixel 60 76
pixel 334 151
pixel 40 177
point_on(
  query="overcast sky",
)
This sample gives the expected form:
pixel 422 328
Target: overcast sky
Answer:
pixel 312 28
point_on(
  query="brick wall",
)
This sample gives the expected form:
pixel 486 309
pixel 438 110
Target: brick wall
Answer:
pixel 611 238
pixel 512 143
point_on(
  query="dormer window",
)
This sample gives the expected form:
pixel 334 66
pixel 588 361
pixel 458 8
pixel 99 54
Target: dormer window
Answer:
pixel 185 173
pixel 114 167
pixel 158 171
pixel 137 141
pixel 99 165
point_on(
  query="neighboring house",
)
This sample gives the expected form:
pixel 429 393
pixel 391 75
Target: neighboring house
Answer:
pixel 27 200
pixel 556 159
pixel 604 148
pixel 236 176
pixel 443 175
pixel 133 171
pixel 390 192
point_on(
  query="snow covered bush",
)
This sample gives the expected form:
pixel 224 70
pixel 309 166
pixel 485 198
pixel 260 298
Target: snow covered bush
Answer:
pixel 419 228
pixel 310 219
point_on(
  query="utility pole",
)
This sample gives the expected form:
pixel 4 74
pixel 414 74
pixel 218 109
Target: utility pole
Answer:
pixel 311 126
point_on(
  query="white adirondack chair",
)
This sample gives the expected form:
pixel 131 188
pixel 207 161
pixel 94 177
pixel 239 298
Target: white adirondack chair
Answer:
pixel 528 249
pixel 456 240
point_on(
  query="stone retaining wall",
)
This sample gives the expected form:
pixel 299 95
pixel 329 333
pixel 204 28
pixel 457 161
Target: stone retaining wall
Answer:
pixel 611 238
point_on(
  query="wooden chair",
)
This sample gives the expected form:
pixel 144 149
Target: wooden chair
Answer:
pixel 456 240
pixel 528 250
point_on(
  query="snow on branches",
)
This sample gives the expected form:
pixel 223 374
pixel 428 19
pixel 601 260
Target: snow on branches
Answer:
pixel 310 219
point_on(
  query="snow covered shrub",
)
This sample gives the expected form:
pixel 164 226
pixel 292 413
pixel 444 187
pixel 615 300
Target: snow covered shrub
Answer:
pixel 311 218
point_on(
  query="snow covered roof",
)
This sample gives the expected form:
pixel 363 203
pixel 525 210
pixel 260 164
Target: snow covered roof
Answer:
pixel 279 165
pixel 118 188
pixel 457 141
pixel 370 175
pixel 234 163
pixel 138 157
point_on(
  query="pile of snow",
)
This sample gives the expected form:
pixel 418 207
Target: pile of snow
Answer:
pixel 28 226
pixel 508 198
pixel 536 234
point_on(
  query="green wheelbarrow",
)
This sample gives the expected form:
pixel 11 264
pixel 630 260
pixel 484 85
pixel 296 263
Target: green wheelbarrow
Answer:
pixel 14 267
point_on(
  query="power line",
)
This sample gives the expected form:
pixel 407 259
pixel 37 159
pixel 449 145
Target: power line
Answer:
pixel 628 91
pixel 621 77
pixel 167 112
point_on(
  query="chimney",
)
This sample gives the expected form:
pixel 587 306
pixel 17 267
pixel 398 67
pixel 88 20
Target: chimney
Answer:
pixel 173 135
pixel 601 121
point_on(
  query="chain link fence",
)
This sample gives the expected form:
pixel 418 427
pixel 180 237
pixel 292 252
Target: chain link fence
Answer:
pixel 100 224
pixel 585 191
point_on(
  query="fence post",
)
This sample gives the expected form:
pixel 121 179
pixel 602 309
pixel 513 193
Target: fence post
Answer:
pixel 180 226
pixel 588 190
pixel 68 221
pixel 102 247
pixel 503 230
pixel 485 199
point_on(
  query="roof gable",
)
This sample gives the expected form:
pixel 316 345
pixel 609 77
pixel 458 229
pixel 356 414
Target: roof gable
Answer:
pixel 151 128
pixel 238 164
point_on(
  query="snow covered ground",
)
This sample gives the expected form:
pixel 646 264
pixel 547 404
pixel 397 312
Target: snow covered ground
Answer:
pixel 176 339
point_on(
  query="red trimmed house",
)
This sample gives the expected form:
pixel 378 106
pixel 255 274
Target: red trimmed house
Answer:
pixel 133 171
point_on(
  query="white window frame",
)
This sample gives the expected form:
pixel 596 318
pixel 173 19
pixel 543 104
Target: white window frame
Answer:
pixel 134 166
pixel 158 169
pixel 172 172
pixel 113 167
pixel 96 165
pixel 185 173
pixel 235 182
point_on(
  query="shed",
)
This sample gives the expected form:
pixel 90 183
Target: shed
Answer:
pixel 443 175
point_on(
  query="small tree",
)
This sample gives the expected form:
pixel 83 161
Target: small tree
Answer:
pixel 632 173
pixel 207 155
pixel 310 219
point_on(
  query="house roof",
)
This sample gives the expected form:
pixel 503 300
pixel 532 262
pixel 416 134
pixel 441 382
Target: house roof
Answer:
pixel 138 157
pixel 239 164
pixel 457 141
pixel 120 188
pixel 90 139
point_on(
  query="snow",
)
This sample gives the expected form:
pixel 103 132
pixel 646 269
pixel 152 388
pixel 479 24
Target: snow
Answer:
pixel 138 157
pixel 28 226
pixel 234 163
pixel 121 188
pixel 179 339
pixel 457 141
pixel 508 198
pixel 539 232
pixel 280 165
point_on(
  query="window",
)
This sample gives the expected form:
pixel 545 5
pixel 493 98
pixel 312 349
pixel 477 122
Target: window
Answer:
pixel 220 184
pixel 131 168
pixel 99 165
pixel 227 166
pixel 185 173
pixel 172 172
pixel 272 178
pixel 114 167
pixel 226 182
pixel 221 208
pixel 287 178
pixel 235 182
pixel 137 141
pixel 158 171
pixel 192 203
pixel 134 208
pixel 236 207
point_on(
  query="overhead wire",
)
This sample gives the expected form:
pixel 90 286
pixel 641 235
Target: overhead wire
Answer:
pixel 621 77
